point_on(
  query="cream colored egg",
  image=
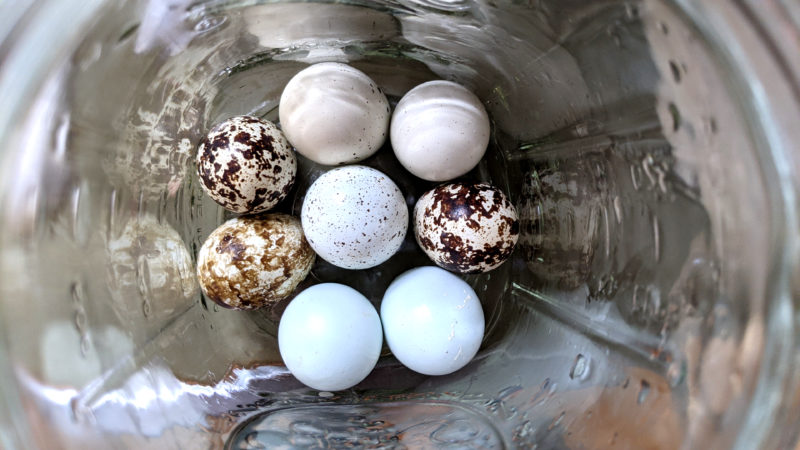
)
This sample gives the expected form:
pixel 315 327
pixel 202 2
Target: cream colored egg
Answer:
pixel 334 114
pixel 439 130
pixel 252 262
pixel 467 228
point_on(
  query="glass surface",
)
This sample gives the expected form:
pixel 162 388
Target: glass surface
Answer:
pixel 640 309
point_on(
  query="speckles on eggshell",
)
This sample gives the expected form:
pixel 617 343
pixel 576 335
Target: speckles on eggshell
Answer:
pixel 246 165
pixel 252 262
pixel 355 217
pixel 467 228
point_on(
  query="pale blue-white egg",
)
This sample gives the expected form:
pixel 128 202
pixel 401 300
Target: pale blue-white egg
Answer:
pixel 330 337
pixel 432 320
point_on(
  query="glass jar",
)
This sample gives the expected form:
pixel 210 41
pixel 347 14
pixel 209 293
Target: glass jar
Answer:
pixel 649 146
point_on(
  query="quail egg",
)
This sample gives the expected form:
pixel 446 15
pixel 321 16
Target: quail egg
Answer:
pixel 246 165
pixel 354 217
pixel 330 337
pixel 465 227
pixel 254 261
pixel 334 114
pixel 439 130
pixel 433 320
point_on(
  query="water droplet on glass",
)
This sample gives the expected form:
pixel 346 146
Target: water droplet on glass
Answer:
pixel 607 228
pixel 85 345
pixel 89 55
pixel 647 166
pixel 643 392
pixel 676 72
pixel 76 291
pixel 676 373
pixel 112 209
pixel 580 368
pixel 661 175
pixel 618 208
pixel 656 240
pixel 142 272
pixel 209 23
pixel 80 320
pixel 557 421
pixel 676 116
pixel 631 11
pixel 634 178
pixel 252 440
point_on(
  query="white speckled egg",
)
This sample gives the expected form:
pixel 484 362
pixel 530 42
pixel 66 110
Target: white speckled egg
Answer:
pixel 252 262
pixel 330 337
pixel 334 114
pixel 354 217
pixel 246 165
pixel 433 320
pixel 439 130
pixel 467 228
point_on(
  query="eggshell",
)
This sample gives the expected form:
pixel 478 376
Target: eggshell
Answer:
pixel 354 217
pixel 330 337
pixel 252 262
pixel 433 320
pixel 467 228
pixel 246 165
pixel 334 114
pixel 439 130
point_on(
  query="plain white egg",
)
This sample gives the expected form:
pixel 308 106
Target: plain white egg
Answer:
pixel 439 130
pixel 330 337
pixel 334 114
pixel 432 320
pixel 354 217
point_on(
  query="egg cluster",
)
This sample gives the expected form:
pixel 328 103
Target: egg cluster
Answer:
pixel 355 217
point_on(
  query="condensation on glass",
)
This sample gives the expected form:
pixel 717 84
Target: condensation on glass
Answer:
pixel 649 146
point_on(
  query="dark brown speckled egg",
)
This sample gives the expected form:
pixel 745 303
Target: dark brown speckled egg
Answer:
pixel 466 228
pixel 246 165
pixel 253 262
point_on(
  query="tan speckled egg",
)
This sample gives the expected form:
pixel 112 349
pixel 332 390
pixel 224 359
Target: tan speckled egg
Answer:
pixel 467 228
pixel 252 262
pixel 246 164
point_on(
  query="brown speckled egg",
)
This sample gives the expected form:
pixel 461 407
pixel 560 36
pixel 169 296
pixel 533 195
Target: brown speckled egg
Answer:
pixel 246 164
pixel 467 228
pixel 252 262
